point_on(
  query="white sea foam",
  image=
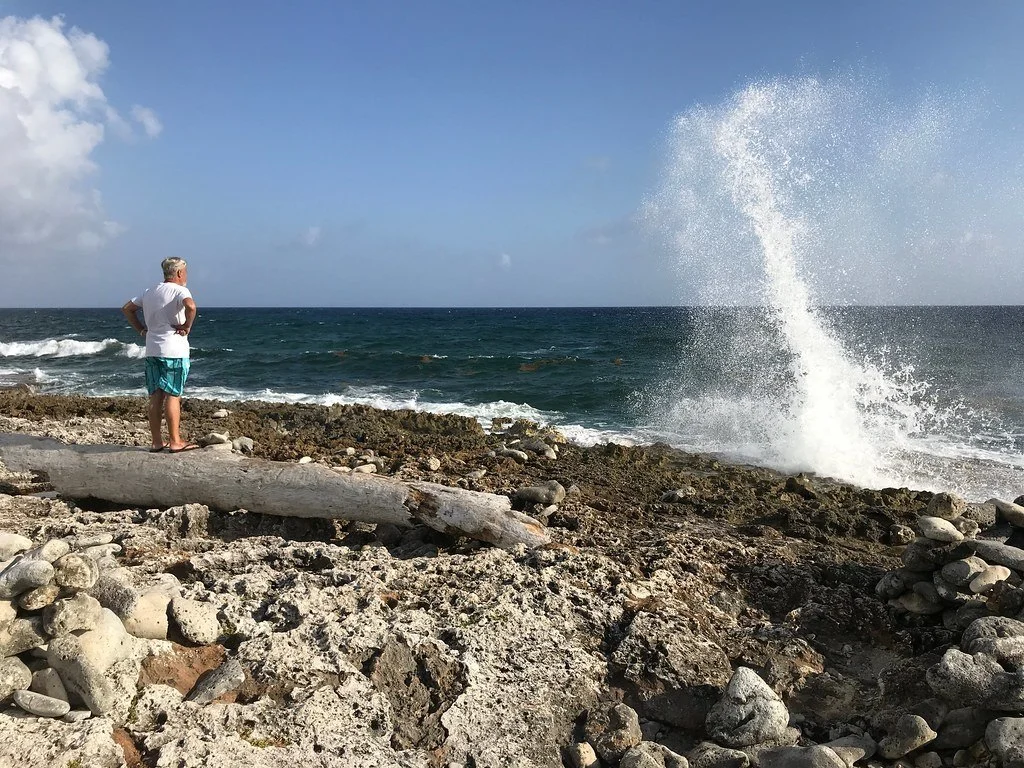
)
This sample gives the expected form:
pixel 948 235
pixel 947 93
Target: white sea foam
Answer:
pixel 68 347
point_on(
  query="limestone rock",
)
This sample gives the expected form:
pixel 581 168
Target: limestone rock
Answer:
pixel 988 578
pixel 648 754
pixel 197 621
pixel 1011 512
pixel 38 598
pixel 937 529
pixel 707 754
pixel 800 757
pixel 991 626
pixel 75 571
pixel 82 661
pixel 48 551
pixel 227 677
pixel 148 617
pixel 748 713
pixel 911 732
pixel 612 731
pixel 851 749
pixel 946 506
pixel 14 676
pixel 71 614
pixel 582 755
pixel 960 573
pixel 976 680
pixel 1004 737
pixel 900 535
pixel 21 635
pixel 47 682
pixel 11 544
pixel 22 575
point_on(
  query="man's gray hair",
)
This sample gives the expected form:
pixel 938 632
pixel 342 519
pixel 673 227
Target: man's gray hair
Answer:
pixel 172 266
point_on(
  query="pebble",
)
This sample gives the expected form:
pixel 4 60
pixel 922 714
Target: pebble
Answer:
pixel 946 505
pixel 197 621
pixel 432 464
pixel 227 677
pixel 911 732
pixel 582 755
pixel 520 456
pixel 550 492
pixel 960 573
pixel 988 578
pixel 914 602
pixel 47 682
pixel 366 469
pixel 14 676
pixel 11 544
pixel 22 575
pixel 306 460
pixel 476 474
pixel 40 705
pixel 38 598
pixel 938 529
pixel 748 713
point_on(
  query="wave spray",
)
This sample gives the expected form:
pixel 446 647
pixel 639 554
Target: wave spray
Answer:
pixel 790 197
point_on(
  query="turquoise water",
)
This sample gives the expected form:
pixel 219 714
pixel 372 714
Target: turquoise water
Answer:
pixel 950 413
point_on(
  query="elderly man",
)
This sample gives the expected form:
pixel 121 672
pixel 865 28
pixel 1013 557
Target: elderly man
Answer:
pixel 168 311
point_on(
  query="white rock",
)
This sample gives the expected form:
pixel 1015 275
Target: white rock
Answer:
pixel 197 621
pixel 748 713
pixel 220 414
pixel 988 578
pixel 306 460
pixel 148 617
pixel 22 575
pixel 937 529
pixel 11 544
pixel 367 469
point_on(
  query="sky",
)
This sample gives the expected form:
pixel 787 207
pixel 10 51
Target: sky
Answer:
pixel 460 153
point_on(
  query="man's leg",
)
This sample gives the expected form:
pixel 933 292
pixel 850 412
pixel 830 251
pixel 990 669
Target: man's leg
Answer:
pixel 172 407
pixel 156 415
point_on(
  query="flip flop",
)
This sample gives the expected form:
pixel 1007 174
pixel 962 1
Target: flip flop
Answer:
pixel 157 450
pixel 187 447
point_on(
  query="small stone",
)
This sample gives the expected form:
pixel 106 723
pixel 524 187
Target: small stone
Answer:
pixel 71 614
pixel 102 550
pixel 148 618
pixel 41 706
pixel 48 551
pixel 11 544
pixel 14 676
pixel 367 469
pixel 47 682
pixel 900 535
pixel 227 677
pixel 432 464
pixel 22 575
pixel 38 598
pixel 243 445
pixel 85 540
pixel 988 578
pixel 197 621
pixel 946 505
pixel 76 571
pixel 582 755
pixel 77 716
pixel 707 754
pixel 306 460
pixel 748 713
pixel 520 456
pixel 911 732
pixel 550 492
pixel 914 602
pixel 960 573
pixel 937 529
pixel 221 413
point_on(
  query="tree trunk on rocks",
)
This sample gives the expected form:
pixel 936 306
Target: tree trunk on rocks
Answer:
pixel 227 481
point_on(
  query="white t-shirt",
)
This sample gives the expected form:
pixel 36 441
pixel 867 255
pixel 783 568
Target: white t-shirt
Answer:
pixel 163 308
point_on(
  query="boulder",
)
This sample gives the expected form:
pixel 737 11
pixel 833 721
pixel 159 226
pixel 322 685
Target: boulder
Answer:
pixel 82 661
pixel 550 492
pixel 748 713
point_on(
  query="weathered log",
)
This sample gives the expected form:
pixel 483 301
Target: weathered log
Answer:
pixel 228 481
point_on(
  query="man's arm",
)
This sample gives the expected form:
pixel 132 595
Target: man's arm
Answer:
pixel 190 317
pixel 131 311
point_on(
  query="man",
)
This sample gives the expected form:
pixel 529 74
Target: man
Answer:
pixel 168 311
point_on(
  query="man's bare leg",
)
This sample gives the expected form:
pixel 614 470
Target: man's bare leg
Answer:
pixel 172 407
pixel 156 416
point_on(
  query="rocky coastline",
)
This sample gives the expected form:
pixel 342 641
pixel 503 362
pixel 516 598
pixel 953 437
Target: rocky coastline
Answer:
pixel 689 611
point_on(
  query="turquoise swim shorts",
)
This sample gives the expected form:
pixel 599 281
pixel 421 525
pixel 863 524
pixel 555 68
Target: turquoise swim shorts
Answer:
pixel 166 373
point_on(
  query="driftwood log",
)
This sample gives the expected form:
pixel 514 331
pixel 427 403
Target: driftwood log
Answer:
pixel 228 481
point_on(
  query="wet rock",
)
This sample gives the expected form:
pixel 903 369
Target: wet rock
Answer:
pixel 550 492
pixel 197 621
pixel 710 755
pixel 937 529
pixel 748 713
pixel 612 730
pixel 1009 512
pixel 40 705
pixel 227 677
pixel 14 676
pixel 946 506
pixel 1004 737
pixel 71 614
pixel 11 544
pixel 38 598
pixel 911 732
pixel 75 571
pixel 988 578
pixel 22 575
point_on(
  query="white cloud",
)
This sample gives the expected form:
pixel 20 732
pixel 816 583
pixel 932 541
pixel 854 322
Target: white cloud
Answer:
pixel 505 261
pixel 147 118
pixel 53 114
pixel 311 237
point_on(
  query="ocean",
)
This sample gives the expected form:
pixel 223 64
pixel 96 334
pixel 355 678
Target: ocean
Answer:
pixel 929 397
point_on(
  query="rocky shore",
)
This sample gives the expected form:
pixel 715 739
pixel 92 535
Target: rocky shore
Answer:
pixel 689 612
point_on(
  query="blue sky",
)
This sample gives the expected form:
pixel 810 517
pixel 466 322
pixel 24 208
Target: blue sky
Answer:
pixel 450 153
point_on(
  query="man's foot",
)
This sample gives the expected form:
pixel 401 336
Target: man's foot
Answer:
pixel 183 447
